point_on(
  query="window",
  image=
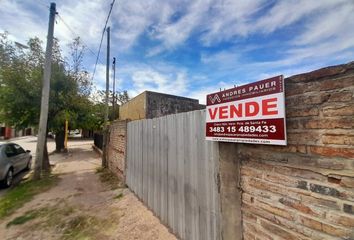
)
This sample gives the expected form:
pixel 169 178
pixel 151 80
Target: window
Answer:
pixel 19 149
pixel 10 151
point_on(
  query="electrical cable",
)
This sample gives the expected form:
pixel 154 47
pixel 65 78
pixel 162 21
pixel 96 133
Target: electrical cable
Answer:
pixel 75 34
pixel 104 30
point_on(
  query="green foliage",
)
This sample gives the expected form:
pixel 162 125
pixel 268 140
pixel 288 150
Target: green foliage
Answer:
pixel 24 192
pixel 21 74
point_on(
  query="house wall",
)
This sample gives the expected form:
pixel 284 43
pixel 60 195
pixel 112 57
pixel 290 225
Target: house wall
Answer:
pixel 301 191
pixel 151 105
pixel 305 190
pixel 134 109
pixel 159 105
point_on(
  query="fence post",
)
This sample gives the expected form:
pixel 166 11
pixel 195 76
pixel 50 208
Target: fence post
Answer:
pixel 230 192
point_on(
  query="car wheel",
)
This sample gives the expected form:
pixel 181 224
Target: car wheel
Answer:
pixel 9 178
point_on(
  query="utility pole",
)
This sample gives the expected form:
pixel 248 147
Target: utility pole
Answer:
pixel 42 129
pixel 107 75
pixel 114 87
pixel 105 134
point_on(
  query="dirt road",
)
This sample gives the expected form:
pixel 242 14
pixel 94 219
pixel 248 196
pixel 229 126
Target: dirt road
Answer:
pixel 80 206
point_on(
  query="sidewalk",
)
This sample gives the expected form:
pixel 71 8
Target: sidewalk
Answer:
pixel 82 207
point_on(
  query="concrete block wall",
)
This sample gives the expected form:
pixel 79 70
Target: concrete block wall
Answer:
pixel 116 151
pixel 305 190
pixel 153 105
pixel 158 105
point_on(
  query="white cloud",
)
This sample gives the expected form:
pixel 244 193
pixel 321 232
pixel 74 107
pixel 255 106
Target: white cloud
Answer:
pixel 228 19
pixel 288 12
pixel 149 79
pixel 20 22
pixel 133 18
pixel 100 77
pixel 85 18
pixel 176 33
pixel 332 24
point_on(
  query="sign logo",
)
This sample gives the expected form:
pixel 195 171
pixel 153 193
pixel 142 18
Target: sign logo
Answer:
pixel 253 113
pixel 214 99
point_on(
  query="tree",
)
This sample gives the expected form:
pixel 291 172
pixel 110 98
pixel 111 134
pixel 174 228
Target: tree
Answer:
pixel 20 84
pixel 21 74
pixel 120 98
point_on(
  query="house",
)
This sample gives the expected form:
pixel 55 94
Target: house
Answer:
pixel 153 104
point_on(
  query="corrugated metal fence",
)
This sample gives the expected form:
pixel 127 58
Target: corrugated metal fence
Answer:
pixel 173 170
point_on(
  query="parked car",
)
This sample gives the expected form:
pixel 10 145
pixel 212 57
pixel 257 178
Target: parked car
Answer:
pixel 13 159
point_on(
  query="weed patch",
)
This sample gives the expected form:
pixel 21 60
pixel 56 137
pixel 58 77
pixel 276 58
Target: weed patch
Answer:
pixel 23 219
pixel 15 198
pixel 109 178
pixel 80 227
pixel 119 196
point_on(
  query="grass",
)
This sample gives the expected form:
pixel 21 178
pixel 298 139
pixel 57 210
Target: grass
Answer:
pixel 16 197
pixel 23 219
pixel 79 227
pixel 64 218
pixel 119 196
pixel 107 177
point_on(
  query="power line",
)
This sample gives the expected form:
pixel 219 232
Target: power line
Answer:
pixel 75 34
pixel 43 3
pixel 104 29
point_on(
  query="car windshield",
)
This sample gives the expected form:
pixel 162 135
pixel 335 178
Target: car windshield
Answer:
pixel 19 149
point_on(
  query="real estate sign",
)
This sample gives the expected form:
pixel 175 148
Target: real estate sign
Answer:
pixel 252 113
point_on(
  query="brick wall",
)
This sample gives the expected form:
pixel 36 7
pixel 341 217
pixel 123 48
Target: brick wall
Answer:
pixel 117 148
pixel 305 190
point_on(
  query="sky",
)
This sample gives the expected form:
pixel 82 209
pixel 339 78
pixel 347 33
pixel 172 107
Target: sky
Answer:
pixel 192 48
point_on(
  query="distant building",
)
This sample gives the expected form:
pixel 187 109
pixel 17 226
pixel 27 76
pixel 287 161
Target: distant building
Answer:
pixel 152 104
pixel 10 132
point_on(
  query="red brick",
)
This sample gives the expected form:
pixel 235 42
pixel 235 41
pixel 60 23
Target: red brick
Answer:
pixel 278 231
pixel 256 230
pixel 332 151
pixel 248 236
pixel 320 202
pixel 292 89
pixel 297 205
pixel 339 110
pixel 293 123
pixel 302 100
pixel 324 227
pixel 337 83
pixel 274 210
pixel 328 123
pixel 302 112
pixel 321 73
pixel 246 171
pixel 304 137
pixel 342 96
pixel 343 220
pixel 341 139
pixel 347 182
pixel 300 173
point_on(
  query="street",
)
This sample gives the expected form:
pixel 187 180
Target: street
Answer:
pixel 86 203
pixel 28 143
